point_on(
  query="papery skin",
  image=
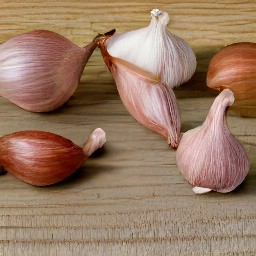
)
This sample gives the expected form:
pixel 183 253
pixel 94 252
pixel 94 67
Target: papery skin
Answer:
pixel 234 67
pixel 156 50
pixel 40 70
pixel 43 158
pixel 209 156
pixel 150 102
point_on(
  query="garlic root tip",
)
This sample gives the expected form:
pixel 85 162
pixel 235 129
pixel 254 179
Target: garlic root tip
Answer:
pixel 200 190
pixel 95 141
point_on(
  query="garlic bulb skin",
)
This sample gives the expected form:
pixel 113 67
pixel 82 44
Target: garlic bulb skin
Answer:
pixel 40 70
pixel 43 158
pixel 156 50
pixel 209 156
pixel 149 101
pixel 234 67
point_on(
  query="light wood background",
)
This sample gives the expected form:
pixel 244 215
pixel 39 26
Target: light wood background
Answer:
pixel 129 199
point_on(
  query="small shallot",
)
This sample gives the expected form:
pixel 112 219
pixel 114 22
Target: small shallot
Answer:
pixel 234 67
pixel 43 158
pixel 40 70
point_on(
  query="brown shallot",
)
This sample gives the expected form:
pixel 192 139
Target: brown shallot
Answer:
pixel 43 158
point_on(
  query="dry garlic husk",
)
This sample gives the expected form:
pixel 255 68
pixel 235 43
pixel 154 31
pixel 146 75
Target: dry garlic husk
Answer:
pixel 209 156
pixel 40 70
pixel 234 67
pixel 149 101
pixel 156 50
pixel 43 158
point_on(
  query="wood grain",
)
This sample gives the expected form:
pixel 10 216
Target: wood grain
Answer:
pixel 129 198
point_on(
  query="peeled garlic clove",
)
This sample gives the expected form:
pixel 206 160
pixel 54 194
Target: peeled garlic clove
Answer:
pixel 209 156
pixel 150 102
pixel 156 50
pixel 43 158
pixel 234 67
pixel 40 70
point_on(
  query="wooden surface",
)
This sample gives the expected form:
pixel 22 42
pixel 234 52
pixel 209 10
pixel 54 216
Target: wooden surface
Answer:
pixel 129 199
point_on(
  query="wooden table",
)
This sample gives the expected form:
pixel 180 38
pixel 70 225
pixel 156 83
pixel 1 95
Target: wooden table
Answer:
pixel 129 198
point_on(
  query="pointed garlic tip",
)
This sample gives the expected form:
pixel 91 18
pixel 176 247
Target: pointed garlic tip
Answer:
pixel 200 190
pixel 161 17
pixel 156 13
pixel 227 98
pixel 219 107
pixel 95 141
pixel 210 157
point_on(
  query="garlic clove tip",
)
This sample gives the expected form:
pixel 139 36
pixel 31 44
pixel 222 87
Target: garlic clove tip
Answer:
pixel 99 135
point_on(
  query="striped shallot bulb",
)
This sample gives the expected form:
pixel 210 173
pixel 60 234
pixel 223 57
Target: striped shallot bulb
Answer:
pixel 42 158
pixel 40 70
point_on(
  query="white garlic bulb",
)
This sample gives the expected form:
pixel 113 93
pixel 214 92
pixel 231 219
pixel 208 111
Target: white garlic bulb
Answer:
pixel 209 156
pixel 156 50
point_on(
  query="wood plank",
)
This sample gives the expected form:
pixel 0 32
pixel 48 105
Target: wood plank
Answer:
pixel 129 198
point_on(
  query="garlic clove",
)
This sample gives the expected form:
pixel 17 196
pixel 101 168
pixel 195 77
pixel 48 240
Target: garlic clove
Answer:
pixel 155 49
pixel 43 158
pixel 150 102
pixel 200 190
pixel 40 70
pixel 234 67
pixel 209 156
